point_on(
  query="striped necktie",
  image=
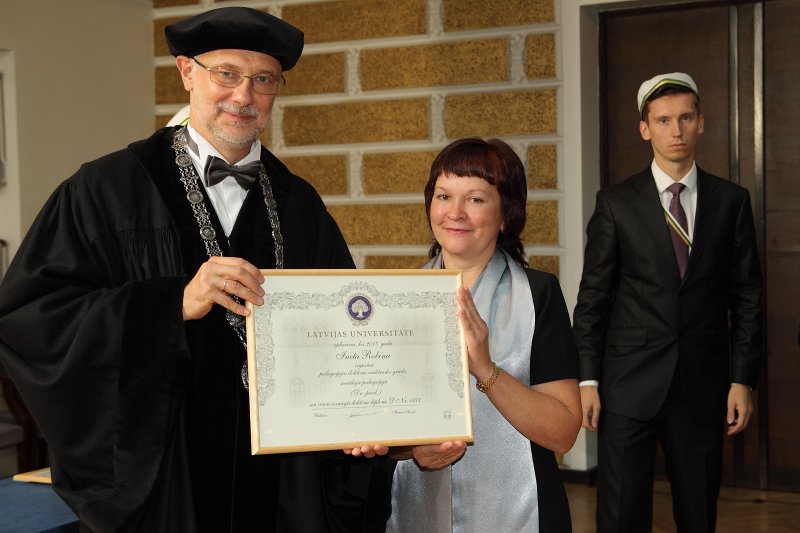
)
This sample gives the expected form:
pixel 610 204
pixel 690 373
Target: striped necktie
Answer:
pixel 680 241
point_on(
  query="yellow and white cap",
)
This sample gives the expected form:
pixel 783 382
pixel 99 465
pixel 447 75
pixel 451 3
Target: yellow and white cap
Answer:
pixel 647 88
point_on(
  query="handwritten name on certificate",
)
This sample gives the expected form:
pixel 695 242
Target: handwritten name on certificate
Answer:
pixel 339 358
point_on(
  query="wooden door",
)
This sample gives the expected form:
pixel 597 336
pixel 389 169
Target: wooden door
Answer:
pixel 781 190
pixel 745 58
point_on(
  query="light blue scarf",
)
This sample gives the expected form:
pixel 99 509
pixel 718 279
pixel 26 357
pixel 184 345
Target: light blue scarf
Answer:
pixel 493 487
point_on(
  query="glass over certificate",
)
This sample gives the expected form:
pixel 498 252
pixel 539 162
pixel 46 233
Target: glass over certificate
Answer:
pixel 339 358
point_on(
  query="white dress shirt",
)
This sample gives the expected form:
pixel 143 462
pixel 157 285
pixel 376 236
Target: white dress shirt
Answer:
pixel 226 196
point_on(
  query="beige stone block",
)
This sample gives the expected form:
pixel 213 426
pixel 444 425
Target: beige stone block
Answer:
pixel 541 226
pixel 407 224
pixel 376 224
pixel 545 263
pixel 172 3
pixel 316 74
pixel 501 114
pixel 265 139
pixel 327 173
pixel 160 47
pixel 357 122
pixel 161 120
pixel 463 62
pixel 540 56
pixel 401 172
pixel 460 15
pixel 543 166
pixel 395 261
pixel 169 86
pixel 355 20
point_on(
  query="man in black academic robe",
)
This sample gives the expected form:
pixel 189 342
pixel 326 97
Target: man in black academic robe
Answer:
pixel 145 412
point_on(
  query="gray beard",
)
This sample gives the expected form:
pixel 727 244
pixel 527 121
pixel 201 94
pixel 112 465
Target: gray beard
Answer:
pixel 238 141
pixel 248 138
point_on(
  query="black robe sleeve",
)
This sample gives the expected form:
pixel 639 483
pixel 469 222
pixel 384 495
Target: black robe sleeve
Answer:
pixel 95 361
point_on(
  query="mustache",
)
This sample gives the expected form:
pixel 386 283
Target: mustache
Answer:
pixel 247 111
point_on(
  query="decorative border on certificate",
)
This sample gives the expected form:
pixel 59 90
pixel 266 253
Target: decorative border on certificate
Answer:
pixel 339 358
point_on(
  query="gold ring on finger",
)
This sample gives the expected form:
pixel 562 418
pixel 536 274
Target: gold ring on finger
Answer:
pixel 224 284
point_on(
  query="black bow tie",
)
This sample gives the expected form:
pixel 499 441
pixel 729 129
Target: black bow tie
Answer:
pixel 217 170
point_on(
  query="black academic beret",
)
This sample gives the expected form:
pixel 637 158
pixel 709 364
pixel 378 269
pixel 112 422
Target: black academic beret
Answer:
pixel 238 28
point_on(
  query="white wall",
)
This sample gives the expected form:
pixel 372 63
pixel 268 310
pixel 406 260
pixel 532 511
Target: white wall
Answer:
pixel 78 78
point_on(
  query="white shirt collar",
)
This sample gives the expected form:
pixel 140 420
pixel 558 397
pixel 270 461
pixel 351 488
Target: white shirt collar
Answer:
pixel 663 180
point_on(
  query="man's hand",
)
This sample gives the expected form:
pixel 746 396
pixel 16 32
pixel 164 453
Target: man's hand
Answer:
pixel 216 281
pixel 367 450
pixel 740 408
pixel 590 404
pixel 436 456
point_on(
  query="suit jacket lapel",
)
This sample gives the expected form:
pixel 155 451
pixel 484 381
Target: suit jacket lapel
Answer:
pixel 651 213
pixel 705 213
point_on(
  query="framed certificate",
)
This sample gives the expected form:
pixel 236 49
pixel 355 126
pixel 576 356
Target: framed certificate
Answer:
pixel 341 358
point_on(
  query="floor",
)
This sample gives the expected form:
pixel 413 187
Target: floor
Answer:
pixel 739 510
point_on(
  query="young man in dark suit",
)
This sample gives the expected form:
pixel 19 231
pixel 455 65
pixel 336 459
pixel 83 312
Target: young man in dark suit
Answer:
pixel 668 321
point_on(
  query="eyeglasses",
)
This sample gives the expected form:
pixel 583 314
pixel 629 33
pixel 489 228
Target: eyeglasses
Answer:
pixel 262 83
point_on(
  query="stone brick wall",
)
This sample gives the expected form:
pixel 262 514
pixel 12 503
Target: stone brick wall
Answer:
pixel 383 85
